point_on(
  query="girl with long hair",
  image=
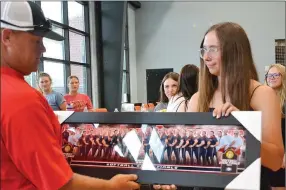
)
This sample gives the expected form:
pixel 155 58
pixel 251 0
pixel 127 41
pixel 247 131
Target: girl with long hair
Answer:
pixel 228 82
pixel 55 99
pixel 188 86
pixel 276 79
pixel 168 88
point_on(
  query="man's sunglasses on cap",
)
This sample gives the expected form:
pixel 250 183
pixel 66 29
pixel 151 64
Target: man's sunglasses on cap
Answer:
pixel 27 16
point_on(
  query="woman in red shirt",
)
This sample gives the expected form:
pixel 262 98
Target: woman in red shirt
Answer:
pixel 77 101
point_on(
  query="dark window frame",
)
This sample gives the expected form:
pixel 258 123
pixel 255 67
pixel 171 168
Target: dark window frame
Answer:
pixel 280 50
pixel 66 61
pixel 126 70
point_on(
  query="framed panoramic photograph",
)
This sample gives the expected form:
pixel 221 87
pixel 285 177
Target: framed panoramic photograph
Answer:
pixel 185 149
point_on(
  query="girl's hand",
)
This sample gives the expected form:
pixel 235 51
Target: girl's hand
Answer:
pixel 224 110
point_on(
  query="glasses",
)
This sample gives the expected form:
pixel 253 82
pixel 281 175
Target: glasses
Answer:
pixel 273 75
pixel 212 51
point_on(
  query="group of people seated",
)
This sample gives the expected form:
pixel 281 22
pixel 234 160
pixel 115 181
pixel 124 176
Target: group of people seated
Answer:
pixel 72 101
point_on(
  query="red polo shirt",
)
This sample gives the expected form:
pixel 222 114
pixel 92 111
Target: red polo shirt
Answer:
pixel 31 156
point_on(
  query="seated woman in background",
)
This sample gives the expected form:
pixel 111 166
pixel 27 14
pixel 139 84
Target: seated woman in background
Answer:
pixel 275 78
pixel 188 85
pixel 76 101
pixel 168 88
pixel 55 99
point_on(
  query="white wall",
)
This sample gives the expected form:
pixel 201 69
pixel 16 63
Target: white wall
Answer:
pixel 132 53
pixel 168 34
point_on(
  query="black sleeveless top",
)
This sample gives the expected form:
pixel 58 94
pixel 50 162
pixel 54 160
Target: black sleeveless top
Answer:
pixel 264 179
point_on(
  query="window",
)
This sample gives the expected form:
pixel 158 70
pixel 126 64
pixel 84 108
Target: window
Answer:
pixel 57 72
pixel 71 56
pixel 125 73
pixel 32 79
pixel 80 71
pixel 280 51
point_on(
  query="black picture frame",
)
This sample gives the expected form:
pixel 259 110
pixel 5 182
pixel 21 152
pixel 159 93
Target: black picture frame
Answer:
pixel 188 179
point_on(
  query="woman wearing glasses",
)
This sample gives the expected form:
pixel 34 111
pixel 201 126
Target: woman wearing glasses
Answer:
pixel 229 82
pixel 275 78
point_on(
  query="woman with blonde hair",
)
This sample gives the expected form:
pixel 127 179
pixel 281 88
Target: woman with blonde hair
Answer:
pixel 55 99
pixel 276 79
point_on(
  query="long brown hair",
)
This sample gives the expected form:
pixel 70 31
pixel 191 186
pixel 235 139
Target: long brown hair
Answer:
pixel 188 82
pixel 171 75
pixel 237 68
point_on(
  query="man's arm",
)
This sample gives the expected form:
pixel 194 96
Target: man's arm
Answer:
pixel 187 143
pixel 202 143
pixel 89 104
pixel 38 141
pixel 195 143
pixel 216 142
pixel 89 183
pixel 175 142
pixel 84 182
pixel 181 143
pixel 97 140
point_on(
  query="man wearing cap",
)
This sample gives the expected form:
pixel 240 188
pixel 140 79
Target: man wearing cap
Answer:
pixel 31 156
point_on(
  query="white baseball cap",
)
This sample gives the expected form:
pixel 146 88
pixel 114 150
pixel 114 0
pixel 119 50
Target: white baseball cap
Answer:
pixel 27 16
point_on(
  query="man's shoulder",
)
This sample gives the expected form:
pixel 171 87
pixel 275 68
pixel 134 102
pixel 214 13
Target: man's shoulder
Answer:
pixel 22 100
pixel 20 94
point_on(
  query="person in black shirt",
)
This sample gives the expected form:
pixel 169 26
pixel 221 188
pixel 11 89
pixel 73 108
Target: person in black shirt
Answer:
pixel 185 143
pixel 192 142
pixel 99 141
pixel 94 144
pixel 164 141
pixel 65 137
pixel 211 148
pixel 88 144
pixel 124 148
pixel 177 145
pixel 146 143
pixel 112 138
pixel 170 141
pixel 200 151
pixel 203 152
pixel 115 143
pixel 107 144
pixel 82 144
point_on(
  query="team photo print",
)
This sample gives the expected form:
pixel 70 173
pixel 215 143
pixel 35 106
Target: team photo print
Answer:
pixel 196 148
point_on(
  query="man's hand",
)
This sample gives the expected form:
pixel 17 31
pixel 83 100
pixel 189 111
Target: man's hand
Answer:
pixel 124 182
pixel 165 187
